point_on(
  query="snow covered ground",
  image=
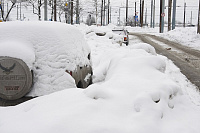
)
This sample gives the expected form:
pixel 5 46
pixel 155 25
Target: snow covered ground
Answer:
pixel 134 90
pixel 186 36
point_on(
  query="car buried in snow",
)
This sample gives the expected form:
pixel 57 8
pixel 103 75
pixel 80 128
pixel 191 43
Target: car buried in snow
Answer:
pixel 39 58
pixel 123 33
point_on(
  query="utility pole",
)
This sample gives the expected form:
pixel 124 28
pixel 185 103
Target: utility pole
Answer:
pixel 135 14
pixel 151 14
pixel 146 17
pixel 154 6
pixel 198 30
pixel 17 13
pixel 119 17
pixel 106 14
pixel 126 12
pixel 20 11
pixel 162 14
pixel 191 18
pixel 169 14
pixel 77 11
pixel 174 15
pixel 72 6
pixel 55 10
pixel 142 13
pixel 102 12
pixel 108 11
pixel 110 14
pixel 45 10
pixel 184 15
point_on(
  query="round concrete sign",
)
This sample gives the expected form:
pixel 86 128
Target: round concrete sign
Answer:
pixel 15 78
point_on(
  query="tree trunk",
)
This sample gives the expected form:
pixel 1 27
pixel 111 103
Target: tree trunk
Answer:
pixel 55 10
pixel 72 11
pixel 39 9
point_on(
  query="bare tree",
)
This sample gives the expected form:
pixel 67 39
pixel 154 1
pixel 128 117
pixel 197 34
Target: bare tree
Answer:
pixel 93 8
pixel 37 4
pixel 96 8
pixel 2 11
pixel 61 8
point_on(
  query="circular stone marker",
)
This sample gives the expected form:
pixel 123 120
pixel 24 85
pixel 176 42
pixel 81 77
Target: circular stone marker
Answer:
pixel 15 78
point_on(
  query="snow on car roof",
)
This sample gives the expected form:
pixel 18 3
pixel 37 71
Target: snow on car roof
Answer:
pixel 50 37
pixel 48 48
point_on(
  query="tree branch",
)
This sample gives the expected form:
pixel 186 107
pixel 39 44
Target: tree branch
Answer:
pixel 9 10
pixel 1 11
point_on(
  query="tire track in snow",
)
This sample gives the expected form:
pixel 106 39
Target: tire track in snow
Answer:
pixel 187 59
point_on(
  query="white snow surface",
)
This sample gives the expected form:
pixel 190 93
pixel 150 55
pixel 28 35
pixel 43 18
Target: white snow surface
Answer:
pixel 48 48
pixel 134 90
pixel 22 50
pixel 186 36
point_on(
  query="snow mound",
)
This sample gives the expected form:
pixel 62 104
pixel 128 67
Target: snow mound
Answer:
pixel 139 92
pixel 109 35
pixel 147 47
pixel 96 92
pixel 50 49
pixel 186 36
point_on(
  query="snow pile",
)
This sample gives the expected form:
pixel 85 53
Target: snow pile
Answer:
pixel 135 90
pixel 186 36
pixel 49 49
pixel 147 47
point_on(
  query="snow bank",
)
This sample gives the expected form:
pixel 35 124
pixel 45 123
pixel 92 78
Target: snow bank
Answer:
pixel 147 47
pixel 135 90
pixel 136 93
pixel 187 36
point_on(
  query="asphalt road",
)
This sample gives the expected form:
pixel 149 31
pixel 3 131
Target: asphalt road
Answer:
pixel 187 59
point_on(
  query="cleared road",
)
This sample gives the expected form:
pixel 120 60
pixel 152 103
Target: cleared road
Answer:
pixel 187 59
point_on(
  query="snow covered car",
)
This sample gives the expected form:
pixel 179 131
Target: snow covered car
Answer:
pixel 124 34
pixel 56 55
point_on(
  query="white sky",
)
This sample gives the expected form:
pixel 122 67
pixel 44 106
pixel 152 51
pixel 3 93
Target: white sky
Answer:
pixel 192 6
